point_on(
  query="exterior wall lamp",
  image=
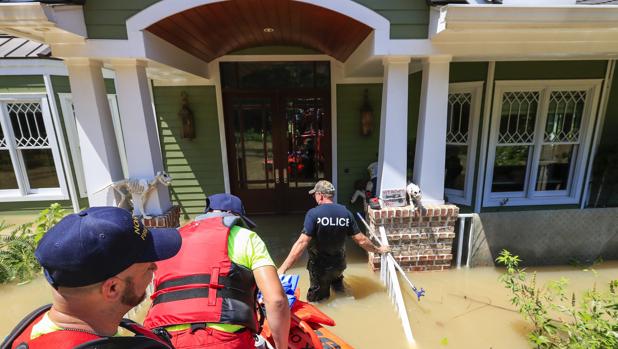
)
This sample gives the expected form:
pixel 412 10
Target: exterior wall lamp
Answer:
pixel 366 115
pixel 186 117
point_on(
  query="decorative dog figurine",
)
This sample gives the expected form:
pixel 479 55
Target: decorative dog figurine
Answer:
pixel 138 189
pixel 414 195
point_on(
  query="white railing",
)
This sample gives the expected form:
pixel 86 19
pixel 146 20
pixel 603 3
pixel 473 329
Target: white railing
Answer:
pixel 460 237
pixel 388 275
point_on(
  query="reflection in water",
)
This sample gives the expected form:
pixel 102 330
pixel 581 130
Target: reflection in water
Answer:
pixel 465 308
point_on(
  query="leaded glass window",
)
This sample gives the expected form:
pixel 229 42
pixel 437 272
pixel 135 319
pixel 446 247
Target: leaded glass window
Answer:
pixel 457 130
pixel 461 121
pixel 515 139
pixel 28 158
pixel 539 141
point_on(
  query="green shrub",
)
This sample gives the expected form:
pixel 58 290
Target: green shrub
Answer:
pixel 559 321
pixel 17 245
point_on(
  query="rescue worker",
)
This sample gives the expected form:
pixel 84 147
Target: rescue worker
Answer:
pixel 324 231
pixel 205 297
pixel 99 263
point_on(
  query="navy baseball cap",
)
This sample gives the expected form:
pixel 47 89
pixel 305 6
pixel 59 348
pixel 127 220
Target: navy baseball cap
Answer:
pixel 228 202
pixel 97 243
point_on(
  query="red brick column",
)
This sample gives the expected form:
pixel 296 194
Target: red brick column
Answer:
pixel 171 219
pixel 420 239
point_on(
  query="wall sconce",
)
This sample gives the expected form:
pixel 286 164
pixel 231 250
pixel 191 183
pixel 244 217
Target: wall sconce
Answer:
pixel 366 114
pixel 186 117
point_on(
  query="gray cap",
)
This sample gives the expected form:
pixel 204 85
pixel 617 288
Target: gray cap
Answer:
pixel 323 187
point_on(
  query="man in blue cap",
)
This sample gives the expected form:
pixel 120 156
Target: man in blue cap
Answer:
pixel 99 263
pixel 206 295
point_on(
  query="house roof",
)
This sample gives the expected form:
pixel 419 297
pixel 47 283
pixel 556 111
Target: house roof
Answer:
pixel 13 47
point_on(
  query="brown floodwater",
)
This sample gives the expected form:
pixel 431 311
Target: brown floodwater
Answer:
pixel 466 308
pixel 463 309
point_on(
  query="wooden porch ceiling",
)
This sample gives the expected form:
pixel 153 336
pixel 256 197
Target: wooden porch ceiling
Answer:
pixel 213 30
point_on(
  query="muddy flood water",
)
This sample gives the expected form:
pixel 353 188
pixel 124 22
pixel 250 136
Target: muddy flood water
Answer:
pixel 466 308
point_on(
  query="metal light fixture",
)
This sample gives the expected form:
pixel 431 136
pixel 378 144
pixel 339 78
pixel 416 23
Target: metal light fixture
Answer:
pixel 366 115
pixel 269 30
pixel 186 117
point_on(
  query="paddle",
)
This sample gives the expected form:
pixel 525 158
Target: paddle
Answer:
pixel 419 293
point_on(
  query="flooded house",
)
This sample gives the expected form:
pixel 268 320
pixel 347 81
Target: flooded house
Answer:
pixel 504 113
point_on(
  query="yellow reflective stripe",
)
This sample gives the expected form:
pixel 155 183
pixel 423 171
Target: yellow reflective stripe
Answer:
pixel 220 327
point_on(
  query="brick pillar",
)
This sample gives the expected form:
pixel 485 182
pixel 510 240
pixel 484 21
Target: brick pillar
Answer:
pixel 421 239
pixel 171 219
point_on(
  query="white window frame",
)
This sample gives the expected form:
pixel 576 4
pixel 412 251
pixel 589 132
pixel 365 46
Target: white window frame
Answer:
pixel 24 192
pixel 66 105
pixel 530 196
pixel 464 197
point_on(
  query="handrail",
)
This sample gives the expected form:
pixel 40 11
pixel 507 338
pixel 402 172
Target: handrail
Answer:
pixel 462 222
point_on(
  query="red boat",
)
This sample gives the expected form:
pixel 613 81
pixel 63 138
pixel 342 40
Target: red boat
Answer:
pixel 307 329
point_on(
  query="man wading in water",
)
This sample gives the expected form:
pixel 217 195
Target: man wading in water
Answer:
pixel 324 231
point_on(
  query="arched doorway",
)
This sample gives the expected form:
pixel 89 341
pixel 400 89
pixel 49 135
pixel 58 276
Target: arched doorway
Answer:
pixel 277 114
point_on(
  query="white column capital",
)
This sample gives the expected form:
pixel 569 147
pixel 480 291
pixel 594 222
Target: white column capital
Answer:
pixel 395 60
pixel 437 59
pixel 130 62
pixel 83 61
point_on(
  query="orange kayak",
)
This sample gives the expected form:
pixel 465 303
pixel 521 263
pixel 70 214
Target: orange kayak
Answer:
pixel 307 329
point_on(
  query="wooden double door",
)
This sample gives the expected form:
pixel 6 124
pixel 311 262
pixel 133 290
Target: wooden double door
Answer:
pixel 279 146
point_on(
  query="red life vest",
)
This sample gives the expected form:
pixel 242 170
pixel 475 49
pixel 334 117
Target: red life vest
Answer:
pixel 19 338
pixel 201 284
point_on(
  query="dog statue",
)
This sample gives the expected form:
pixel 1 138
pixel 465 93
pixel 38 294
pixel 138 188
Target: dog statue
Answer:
pixel 138 189
pixel 414 195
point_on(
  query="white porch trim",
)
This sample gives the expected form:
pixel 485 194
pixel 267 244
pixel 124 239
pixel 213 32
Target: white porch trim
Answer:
pixel 140 135
pixel 431 134
pixel 96 131
pixel 392 158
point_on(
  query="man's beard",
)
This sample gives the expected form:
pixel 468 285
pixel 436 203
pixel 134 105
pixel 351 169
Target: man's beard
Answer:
pixel 129 297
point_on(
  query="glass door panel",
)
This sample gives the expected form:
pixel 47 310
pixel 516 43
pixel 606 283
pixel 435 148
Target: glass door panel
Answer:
pixel 253 171
pixel 305 141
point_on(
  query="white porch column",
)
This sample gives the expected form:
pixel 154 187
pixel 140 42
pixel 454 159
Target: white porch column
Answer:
pixel 95 129
pixel 392 159
pixel 431 134
pixel 139 127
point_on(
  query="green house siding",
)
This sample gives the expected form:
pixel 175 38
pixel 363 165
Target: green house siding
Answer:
pixel 547 70
pixel 409 18
pixel 22 84
pixel 195 165
pixel 354 151
pixel 106 19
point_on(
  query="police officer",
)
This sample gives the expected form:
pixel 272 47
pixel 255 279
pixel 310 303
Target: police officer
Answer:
pixel 99 263
pixel 324 232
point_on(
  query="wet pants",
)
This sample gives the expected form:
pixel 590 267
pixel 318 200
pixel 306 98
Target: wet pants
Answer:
pixel 322 277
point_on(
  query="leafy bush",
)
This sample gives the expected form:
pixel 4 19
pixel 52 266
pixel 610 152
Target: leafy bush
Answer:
pixel 560 321
pixel 17 245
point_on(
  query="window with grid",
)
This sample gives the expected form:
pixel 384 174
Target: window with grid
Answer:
pixel 29 162
pixel 462 120
pixel 539 142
